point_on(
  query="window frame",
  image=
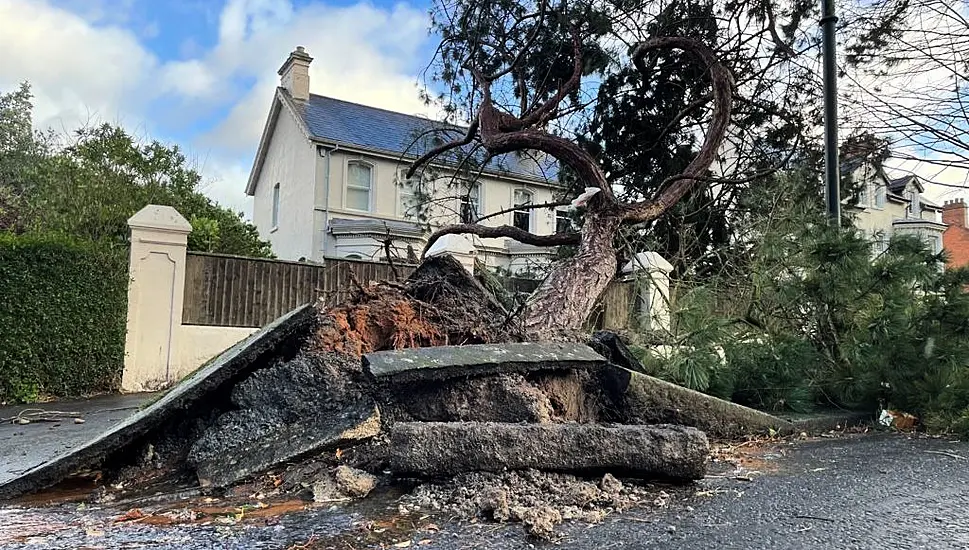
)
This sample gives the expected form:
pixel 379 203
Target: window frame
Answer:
pixel 400 185
pixel 274 213
pixel 881 197
pixel 562 214
pixel 465 198
pixel 524 212
pixel 348 185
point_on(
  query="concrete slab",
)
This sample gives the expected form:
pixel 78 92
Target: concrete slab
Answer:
pixel 23 447
pixel 648 400
pixel 450 362
pixel 227 367
pixel 289 442
pixel 432 449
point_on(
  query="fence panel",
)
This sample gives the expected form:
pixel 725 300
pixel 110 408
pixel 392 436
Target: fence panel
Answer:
pixel 234 291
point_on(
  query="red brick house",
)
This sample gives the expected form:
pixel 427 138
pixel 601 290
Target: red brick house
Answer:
pixel 955 239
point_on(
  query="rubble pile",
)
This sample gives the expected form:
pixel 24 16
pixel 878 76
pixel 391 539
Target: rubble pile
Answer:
pixel 538 499
pixel 428 380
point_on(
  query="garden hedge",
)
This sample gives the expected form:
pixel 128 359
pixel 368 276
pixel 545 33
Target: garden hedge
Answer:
pixel 62 316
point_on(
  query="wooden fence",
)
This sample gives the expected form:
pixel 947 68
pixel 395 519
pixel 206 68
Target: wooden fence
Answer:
pixel 233 291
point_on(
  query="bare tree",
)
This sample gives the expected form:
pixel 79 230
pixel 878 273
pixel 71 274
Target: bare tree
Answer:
pixel 906 77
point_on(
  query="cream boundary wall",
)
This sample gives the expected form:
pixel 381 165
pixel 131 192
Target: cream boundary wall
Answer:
pixel 159 349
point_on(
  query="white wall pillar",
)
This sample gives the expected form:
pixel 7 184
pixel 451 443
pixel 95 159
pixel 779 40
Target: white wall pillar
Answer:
pixel 159 239
pixel 652 274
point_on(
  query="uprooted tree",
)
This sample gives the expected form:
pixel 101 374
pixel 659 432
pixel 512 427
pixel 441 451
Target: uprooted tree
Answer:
pixel 568 294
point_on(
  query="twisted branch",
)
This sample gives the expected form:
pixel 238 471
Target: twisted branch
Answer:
pixel 681 184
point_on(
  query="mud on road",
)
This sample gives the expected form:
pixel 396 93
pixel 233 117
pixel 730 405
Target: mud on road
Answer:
pixel 857 491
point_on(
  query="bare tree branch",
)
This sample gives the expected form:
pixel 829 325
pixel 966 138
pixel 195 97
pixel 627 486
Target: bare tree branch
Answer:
pixel 553 204
pixel 509 231
pixel 723 84
pixel 430 155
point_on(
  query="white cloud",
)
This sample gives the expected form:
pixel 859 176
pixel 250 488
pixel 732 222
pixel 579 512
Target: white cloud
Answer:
pixel 361 54
pixel 76 69
pixel 84 64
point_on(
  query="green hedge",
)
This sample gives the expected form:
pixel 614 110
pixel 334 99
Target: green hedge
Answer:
pixel 62 316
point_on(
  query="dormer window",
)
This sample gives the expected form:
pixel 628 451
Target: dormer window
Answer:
pixel 914 207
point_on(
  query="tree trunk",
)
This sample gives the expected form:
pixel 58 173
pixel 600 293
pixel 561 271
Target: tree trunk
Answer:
pixel 565 299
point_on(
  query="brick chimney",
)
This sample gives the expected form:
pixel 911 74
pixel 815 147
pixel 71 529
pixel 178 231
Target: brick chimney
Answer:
pixel 954 213
pixel 294 75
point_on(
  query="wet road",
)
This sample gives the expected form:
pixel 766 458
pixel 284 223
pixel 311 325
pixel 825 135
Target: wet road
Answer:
pixel 874 491
pixel 25 446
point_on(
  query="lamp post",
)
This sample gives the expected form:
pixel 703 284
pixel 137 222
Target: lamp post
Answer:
pixel 832 170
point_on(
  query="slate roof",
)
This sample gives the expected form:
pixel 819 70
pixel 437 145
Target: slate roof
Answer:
pixel 347 123
pixel 897 185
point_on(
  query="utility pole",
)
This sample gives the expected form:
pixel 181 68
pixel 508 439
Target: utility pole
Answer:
pixel 832 169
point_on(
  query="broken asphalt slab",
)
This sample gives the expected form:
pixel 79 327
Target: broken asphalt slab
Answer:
pixel 649 400
pixel 450 362
pixel 432 449
pixel 288 442
pixel 25 446
pixel 193 391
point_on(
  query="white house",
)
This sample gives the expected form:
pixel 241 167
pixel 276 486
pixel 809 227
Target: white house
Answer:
pixel 327 181
pixel 887 206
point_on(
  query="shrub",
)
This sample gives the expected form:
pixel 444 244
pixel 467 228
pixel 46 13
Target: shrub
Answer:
pixel 62 316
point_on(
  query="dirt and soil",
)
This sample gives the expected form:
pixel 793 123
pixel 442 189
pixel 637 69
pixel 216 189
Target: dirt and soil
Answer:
pixel 539 500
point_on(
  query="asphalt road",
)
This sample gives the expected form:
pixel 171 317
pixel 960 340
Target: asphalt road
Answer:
pixel 879 491
pixel 25 446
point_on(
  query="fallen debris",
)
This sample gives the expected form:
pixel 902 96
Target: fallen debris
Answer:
pixel 27 416
pixel 219 466
pixel 527 495
pixel 648 400
pixel 901 421
pixel 319 404
pixel 277 339
pixel 354 482
pixel 449 362
pixel 428 449
pixel 284 415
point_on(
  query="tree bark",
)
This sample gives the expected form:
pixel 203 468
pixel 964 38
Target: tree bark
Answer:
pixel 571 290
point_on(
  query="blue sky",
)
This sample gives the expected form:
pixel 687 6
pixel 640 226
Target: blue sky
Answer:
pixel 200 73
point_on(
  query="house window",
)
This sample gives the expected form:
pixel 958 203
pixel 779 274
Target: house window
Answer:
pixel 523 216
pixel 276 206
pixel 863 195
pixel 914 208
pixel 407 192
pixel 563 223
pixel 359 185
pixel 471 204
pixel 880 196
